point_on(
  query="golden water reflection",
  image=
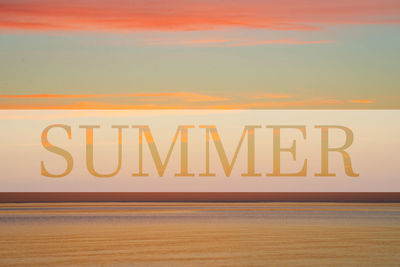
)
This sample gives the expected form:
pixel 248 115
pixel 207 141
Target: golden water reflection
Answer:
pixel 199 234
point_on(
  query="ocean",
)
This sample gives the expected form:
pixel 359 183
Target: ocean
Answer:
pixel 199 234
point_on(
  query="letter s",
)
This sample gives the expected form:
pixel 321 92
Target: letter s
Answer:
pixel 57 150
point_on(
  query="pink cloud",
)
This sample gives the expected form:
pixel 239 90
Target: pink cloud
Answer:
pixel 207 41
pixel 189 15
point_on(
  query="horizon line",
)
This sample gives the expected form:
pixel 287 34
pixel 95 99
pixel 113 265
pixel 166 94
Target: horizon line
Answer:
pixel 351 197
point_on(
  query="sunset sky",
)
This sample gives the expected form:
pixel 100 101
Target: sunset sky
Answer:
pixel 199 54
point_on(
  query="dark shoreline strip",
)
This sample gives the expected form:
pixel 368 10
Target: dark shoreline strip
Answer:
pixel 371 197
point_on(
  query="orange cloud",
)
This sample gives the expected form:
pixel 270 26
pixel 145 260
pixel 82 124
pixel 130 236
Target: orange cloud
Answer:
pixel 312 103
pixel 189 15
pixel 173 100
pixel 271 96
pixel 185 96
pixel 362 101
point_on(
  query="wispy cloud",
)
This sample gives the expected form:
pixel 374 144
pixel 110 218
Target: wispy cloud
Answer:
pixel 231 42
pixel 173 100
pixel 271 96
pixel 184 96
pixel 279 41
pixel 361 101
pixel 207 41
pixel 190 15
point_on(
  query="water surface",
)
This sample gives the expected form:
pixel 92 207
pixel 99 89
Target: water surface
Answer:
pixel 199 234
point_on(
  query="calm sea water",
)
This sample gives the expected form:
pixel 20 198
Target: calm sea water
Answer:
pixel 199 234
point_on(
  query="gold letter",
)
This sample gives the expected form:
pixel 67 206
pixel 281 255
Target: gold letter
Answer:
pixel 211 129
pixel 56 150
pixel 277 151
pixel 89 150
pixel 156 155
pixel 325 150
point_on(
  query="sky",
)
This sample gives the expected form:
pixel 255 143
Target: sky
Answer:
pixel 245 54
pixel 197 54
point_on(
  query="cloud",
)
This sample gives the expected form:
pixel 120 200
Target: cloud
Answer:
pixel 231 42
pixel 207 41
pixel 280 41
pixel 184 96
pixel 271 96
pixel 192 15
pixel 189 101
pixel 361 101
pixel 174 100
